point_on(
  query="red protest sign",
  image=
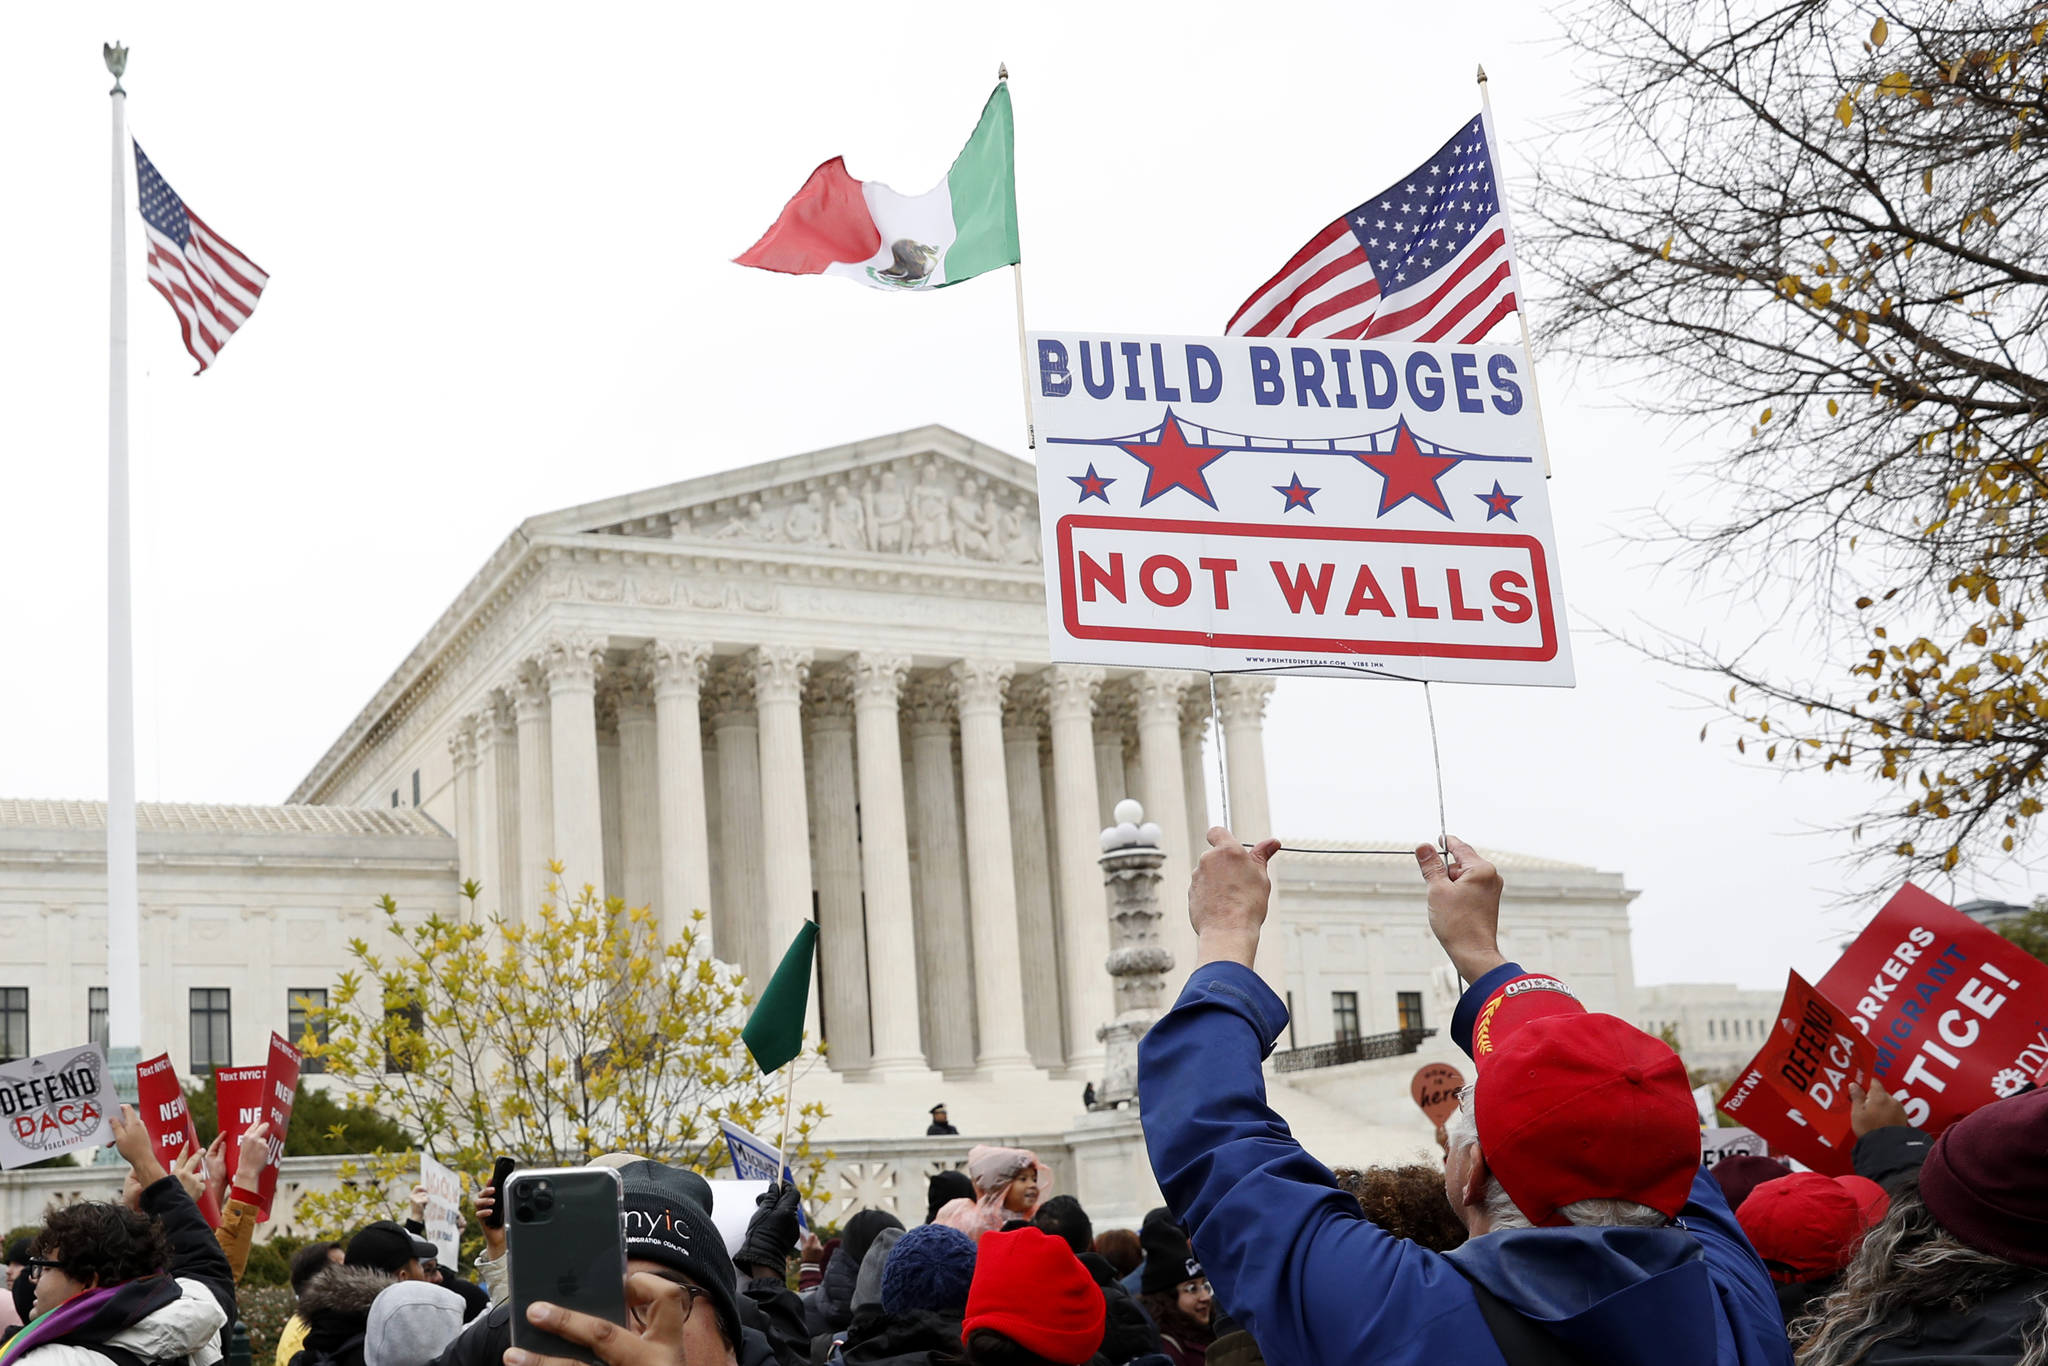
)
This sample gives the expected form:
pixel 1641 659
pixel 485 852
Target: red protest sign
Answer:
pixel 1795 1091
pixel 160 1102
pixel 280 1088
pixel 1954 1011
pixel 238 1101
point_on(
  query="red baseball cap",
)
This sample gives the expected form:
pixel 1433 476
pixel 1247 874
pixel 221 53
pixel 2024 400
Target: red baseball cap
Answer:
pixel 1870 1197
pixel 1805 1226
pixel 1575 1106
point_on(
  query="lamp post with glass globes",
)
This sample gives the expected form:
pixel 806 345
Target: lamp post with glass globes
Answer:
pixel 1132 853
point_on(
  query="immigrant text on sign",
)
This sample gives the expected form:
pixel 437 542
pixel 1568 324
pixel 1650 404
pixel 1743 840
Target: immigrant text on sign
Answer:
pixel 54 1103
pixel 280 1089
pixel 160 1102
pixel 238 1103
pixel 1231 503
pixel 1795 1092
pixel 1957 1014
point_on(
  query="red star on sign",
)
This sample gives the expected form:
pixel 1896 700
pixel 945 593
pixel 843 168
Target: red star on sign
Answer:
pixel 1410 474
pixel 1171 463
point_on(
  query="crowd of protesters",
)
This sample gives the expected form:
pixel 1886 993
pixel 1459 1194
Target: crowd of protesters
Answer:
pixel 1571 1221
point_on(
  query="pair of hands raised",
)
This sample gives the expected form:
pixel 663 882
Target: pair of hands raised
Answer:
pixel 145 1169
pixel 1228 895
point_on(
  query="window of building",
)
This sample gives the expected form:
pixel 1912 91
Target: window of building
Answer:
pixel 299 1003
pixel 1344 1012
pixel 212 1030
pixel 1408 1005
pixel 13 1023
pixel 415 787
pixel 403 1020
pixel 96 1015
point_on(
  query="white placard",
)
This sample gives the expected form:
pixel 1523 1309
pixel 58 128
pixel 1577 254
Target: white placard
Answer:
pixel 732 1206
pixel 53 1104
pixel 444 1211
pixel 1237 503
pixel 1716 1144
pixel 753 1158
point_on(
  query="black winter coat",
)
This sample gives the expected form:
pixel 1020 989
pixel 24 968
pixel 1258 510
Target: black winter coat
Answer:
pixel 918 1338
pixel 195 1251
pixel 1127 1330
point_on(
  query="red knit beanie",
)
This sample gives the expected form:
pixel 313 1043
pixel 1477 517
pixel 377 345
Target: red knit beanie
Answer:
pixel 1986 1179
pixel 1029 1286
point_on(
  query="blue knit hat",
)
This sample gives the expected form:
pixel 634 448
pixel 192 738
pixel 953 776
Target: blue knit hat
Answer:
pixel 931 1268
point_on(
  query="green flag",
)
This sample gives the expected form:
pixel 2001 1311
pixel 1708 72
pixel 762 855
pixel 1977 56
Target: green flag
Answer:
pixel 775 1033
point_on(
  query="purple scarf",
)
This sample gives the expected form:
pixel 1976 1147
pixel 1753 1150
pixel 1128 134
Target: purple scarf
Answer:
pixel 88 1316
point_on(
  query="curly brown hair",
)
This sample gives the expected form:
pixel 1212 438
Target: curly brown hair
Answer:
pixel 98 1243
pixel 1407 1202
pixel 1121 1249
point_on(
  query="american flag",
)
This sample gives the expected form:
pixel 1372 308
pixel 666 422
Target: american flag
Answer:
pixel 1426 259
pixel 209 284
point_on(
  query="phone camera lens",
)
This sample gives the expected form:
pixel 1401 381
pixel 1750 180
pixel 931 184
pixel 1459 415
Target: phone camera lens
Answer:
pixel 543 1200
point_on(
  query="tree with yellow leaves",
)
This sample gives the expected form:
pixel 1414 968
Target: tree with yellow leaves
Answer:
pixel 573 1033
pixel 1821 228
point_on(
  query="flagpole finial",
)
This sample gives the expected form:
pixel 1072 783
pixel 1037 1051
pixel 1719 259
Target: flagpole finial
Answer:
pixel 1002 71
pixel 117 62
pixel 1482 75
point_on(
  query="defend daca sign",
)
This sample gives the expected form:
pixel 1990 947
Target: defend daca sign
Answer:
pixel 52 1104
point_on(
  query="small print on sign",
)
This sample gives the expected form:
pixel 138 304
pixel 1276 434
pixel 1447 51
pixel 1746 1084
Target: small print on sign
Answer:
pixel 1795 1092
pixel 238 1102
pixel 52 1104
pixel 444 1210
pixel 1228 503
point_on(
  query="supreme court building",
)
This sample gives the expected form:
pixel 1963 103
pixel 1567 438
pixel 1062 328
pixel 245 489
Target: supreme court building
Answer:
pixel 812 688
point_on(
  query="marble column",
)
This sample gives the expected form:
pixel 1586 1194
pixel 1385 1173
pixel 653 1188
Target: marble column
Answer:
pixel 779 675
pixel 610 793
pixel 1194 723
pixel 536 789
pixel 1112 721
pixel 1157 693
pixel 1038 956
pixel 482 829
pixel 571 664
pixel 835 826
pixel 978 688
pixel 682 835
pixel 639 793
pixel 945 971
pixel 1241 700
pixel 462 750
pixel 504 772
pixel 893 969
pixel 737 915
pixel 1071 692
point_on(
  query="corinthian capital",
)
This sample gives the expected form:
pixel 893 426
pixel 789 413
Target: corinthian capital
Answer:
pixel 1025 708
pixel 979 684
pixel 1157 694
pixel 829 698
pixel 928 697
pixel 572 662
pixel 728 687
pixel 529 689
pixel 1071 690
pixel 676 665
pixel 462 743
pixel 1241 698
pixel 878 678
pixel 779 673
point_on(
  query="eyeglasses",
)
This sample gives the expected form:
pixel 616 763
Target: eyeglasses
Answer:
pixel 1196 1288
pixel 38 1265
pixel 691 1294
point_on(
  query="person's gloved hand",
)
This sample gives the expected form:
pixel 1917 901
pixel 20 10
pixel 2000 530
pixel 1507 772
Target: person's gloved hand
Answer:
pixel 771 1233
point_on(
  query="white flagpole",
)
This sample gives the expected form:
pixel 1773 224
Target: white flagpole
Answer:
pixel 1515 264
pixel 124 943
pixel 1017 280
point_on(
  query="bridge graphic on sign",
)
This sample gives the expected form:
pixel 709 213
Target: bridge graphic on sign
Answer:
pixel 1176 451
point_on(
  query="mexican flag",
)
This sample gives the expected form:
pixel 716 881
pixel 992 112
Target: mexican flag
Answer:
pixel 863 230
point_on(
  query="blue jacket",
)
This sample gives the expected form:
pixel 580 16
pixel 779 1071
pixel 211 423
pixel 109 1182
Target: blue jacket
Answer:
pixel 1293 1260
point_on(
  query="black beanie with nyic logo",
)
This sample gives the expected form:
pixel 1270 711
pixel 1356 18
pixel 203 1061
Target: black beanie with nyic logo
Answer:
pixel 666 1223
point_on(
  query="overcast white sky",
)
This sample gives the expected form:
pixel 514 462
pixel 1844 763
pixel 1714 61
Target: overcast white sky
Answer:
pixel 499 242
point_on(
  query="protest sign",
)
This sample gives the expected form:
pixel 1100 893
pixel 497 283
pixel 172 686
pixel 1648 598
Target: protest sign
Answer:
pixel 280 1089
pixel 753 1159
pixel 1795 1091
pixel 443 1217
pixel 1958 1015
pixel 1435 1088
pixel 1716 1144
pixel 732 1205
pixel 1229 503
pixel 160 1103
pixel 1703 1101
pixel 53 1104
pixel 238 1104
